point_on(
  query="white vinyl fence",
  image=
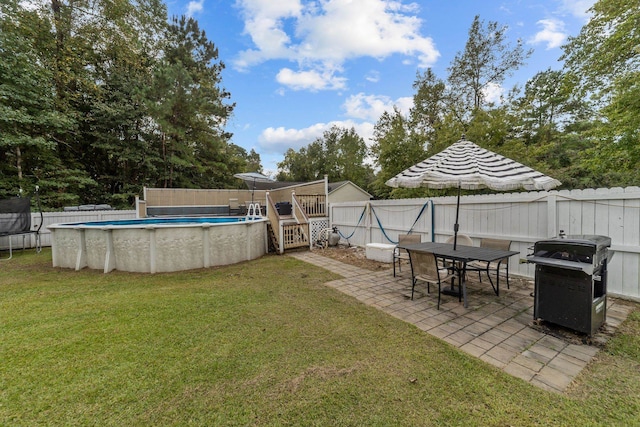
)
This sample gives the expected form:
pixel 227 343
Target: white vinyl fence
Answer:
pixel 523 218
pixel 57 218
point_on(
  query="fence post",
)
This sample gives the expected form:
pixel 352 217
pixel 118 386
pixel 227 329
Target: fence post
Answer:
pixel 368 235
pixel 430 224
pixel 552 215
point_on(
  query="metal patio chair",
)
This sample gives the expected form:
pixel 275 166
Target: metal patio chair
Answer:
pixel 400 254
pixel 424 267
pixel 495 266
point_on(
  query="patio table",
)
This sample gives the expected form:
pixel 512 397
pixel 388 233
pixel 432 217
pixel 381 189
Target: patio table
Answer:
pixel 462 254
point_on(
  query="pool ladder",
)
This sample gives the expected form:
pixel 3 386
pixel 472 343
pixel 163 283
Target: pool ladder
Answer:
pixel 254 210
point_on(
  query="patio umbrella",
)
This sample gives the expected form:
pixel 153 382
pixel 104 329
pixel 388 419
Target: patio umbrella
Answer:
pixel 469 166
pixel 250 178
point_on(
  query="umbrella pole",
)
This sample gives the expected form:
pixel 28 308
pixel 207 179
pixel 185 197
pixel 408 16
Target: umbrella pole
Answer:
pixel 456 225
pixel 451 290
pixel 254 189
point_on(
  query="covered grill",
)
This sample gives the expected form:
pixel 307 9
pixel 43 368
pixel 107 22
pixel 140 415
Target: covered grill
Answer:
pixel 571 281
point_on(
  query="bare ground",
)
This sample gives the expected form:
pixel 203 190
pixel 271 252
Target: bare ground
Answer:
pixel 353 255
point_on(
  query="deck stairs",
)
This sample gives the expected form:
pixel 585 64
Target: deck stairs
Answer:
pixel 287 231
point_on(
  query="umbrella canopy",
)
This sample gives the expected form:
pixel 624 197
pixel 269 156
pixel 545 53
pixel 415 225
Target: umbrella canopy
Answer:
pixel 250 178
pixel 469 166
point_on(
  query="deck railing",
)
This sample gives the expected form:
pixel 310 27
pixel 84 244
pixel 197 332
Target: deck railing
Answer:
pixel 295 235
pixel 314 205
pixel 299 212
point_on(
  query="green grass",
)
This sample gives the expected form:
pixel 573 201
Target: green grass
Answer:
pixel 259 343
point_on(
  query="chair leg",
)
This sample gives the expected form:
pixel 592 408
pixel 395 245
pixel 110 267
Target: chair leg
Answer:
pixel 507 275
pixel 439 293
pixel 399 261
pixel 413 287
pixel 496 286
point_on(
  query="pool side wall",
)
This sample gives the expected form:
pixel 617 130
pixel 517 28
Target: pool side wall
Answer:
pixel 157 248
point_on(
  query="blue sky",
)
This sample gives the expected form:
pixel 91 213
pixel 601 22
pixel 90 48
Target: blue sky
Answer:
pixel 294 68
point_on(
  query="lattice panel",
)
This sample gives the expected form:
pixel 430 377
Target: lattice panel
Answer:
pixel 317 227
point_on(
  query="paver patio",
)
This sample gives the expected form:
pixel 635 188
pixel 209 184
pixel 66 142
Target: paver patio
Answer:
pixel 496 329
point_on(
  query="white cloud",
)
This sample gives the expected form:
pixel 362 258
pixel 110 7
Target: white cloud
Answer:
pixel 32 4
pixel 194 6
pixel 553 33
pixel 577 8
pixel 363 111
pixel 346 29
pixel 280 139
pixel 371 107
pixel 311 80
pixel 372 76
pixel 264 22
pixel 493 93
pixel 321 36
pixel 404 104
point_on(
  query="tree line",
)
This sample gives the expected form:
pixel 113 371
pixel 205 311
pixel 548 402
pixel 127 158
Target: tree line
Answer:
pixel 100 98
pixel 579 124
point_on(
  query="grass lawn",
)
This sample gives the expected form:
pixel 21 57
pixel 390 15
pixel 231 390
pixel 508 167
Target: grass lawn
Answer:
pixel 260 343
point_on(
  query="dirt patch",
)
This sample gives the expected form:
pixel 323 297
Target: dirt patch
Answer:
pixel 322 373
pixel 353 255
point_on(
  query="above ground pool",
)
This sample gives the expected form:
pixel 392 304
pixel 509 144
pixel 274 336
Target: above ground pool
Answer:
pixel 156 245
